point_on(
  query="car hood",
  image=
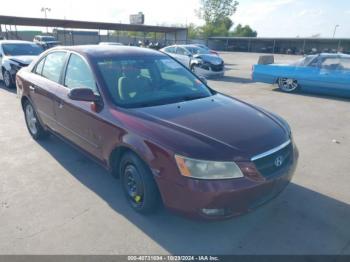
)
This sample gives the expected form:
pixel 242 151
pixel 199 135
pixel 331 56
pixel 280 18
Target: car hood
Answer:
pixel 210 58
pixel 25 59
pixel 220 122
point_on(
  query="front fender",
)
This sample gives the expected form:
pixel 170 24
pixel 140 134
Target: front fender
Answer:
pixel 6 65
pixel 150 152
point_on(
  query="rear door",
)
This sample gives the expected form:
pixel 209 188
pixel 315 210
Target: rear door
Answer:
pixel 44 84
pixel 77 121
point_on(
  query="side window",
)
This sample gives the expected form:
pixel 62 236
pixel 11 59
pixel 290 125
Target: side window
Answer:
pixel 180 51
pixel 39 67
pixel 78 74
pixel 170 49
pixel 331 63
pixel 345 63
pixel 54 63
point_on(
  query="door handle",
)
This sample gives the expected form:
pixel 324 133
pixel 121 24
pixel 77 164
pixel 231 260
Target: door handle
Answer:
pixel 32 88
pixel 60 105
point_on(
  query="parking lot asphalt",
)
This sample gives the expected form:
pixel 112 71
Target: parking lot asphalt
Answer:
pixel 54 200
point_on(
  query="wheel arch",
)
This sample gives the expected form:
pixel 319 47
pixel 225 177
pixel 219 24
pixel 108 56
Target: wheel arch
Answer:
pixel 115 157
pixel 5 66
pixel 24 99
pixel 138 148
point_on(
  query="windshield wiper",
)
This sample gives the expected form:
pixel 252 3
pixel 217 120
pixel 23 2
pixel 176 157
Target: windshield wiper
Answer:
pixel 188 98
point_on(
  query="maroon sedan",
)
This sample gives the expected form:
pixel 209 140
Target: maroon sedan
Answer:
pixel 162 130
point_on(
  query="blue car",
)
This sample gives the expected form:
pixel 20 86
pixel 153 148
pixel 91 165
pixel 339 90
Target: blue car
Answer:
pixel 322 73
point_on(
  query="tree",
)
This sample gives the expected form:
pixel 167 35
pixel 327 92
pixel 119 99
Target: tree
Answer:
pixel 216 14
pixel 227 22
pixel 245 31
pixel 211 11
pixel 193 31
pixel 220 28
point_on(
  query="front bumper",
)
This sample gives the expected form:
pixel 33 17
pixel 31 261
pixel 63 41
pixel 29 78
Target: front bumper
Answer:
pixel 234 196
pixel 209 73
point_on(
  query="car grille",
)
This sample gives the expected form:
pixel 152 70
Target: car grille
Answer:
pixel 267 165
pixel 217 68
pixel 205 66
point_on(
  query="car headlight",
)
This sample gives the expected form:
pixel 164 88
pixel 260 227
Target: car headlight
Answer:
pixel 203 169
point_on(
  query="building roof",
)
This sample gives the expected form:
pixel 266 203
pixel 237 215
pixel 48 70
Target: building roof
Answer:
pixel 29 21
pixel 277 38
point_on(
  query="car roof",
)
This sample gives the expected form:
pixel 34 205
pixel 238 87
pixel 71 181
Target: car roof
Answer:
pixel 191 45
pixel 105 51
pixel 185 46
pixel 334 55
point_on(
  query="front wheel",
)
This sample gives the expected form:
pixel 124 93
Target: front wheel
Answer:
pixel 193 68
pixel 138 184
pixel 34 127
pixel 8 81
pixel 288 85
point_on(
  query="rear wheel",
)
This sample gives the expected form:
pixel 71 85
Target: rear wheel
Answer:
pixel 8 79
pixel 34 127
pixel 288 85
pixel 138 184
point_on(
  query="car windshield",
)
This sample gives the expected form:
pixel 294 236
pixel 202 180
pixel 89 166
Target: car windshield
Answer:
pixel 21 49
pixel 305 61
pixel 48 38
pixel 197 50
pixel 149 81
pixel 203 47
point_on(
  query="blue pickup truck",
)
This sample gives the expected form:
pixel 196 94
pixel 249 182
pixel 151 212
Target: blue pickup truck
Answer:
pixel 322 73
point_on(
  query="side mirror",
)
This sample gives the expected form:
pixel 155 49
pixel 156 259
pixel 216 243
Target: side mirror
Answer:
pixel 83 94
pixel 203 79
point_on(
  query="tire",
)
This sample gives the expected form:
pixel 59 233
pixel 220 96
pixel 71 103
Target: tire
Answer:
pixel 288 85
pixel 7 78
pixel 138 184
pixel 34 127
pixel 192 67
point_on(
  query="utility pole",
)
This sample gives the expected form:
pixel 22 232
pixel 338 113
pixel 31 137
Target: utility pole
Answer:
pixel 45 10
pixel 335 30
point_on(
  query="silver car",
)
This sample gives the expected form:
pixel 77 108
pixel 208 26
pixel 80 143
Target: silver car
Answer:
pixel 200 61
pixel 15 54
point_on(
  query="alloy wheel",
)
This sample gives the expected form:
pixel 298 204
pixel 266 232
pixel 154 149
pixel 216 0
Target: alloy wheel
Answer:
pixel 288 84
pixel 7 79
pixel 31 119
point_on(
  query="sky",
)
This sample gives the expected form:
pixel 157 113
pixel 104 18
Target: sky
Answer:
pixel 271 18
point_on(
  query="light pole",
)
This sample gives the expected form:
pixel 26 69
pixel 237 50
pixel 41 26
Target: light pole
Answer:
pixel 335 30
pixel 45 10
